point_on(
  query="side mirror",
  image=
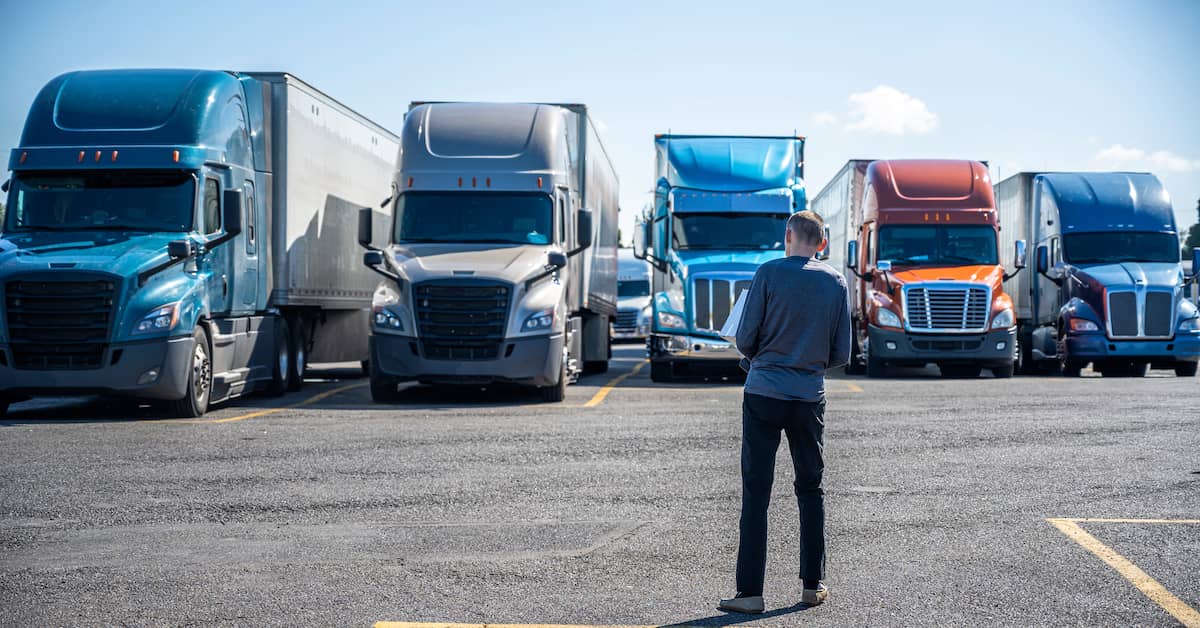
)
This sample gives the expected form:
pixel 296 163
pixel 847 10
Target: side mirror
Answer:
pixel 232 217
pixel 852 254
pixel 555 259
pixel 1196 263
pixel 823 254
pixel 4 187
pixel 640 239
pixel 1019 255
pixel 181 249
pixel 1043 259
pixel 373 258
pixel 884 265
pixel 365 216
pixel 583 228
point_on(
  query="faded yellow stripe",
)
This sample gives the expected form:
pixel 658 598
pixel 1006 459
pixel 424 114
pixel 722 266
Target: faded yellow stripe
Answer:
pixel 1150 587
pixel 1163 521
pixel 310 400
pixel 603 392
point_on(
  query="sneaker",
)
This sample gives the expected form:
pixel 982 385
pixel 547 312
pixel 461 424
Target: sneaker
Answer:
pixel 813 597
pixel 750 604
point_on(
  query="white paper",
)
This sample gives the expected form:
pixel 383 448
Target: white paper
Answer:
pixel 730 328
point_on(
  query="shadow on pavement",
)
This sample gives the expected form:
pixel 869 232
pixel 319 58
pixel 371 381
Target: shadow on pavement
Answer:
pixel 733 619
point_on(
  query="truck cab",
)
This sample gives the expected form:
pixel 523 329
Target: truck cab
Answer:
pixel 633 298
pixel 927 259
pixel 720 210
pixel 1110 289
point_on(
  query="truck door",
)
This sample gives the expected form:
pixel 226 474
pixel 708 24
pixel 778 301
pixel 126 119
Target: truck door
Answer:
pixel 214 265
pixel 246 293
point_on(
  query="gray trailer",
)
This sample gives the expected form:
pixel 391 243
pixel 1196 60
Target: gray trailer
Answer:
pixel 501 263
pixel 839 203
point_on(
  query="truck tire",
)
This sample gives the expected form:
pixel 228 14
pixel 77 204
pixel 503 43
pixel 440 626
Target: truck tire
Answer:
pixel 384 388
pixel 298 353
pixel 283 360
pixel 1071 368
pixel 199 386
pixel 597 367
pixel 557 392
pixel 660 371
pixel 855 365
pixel 1182 369
pixel 1004 372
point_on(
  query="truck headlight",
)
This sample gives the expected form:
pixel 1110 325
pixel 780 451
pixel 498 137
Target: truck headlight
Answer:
pixel 159 319
pixel 539 321
pixel 388 319
pixel 1003 320
pixel 1190 324
pixel 671 321
pixel 1083 324
pixel 644 316
pixel 887 318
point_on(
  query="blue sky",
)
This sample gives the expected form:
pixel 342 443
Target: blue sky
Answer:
pixel 1039 85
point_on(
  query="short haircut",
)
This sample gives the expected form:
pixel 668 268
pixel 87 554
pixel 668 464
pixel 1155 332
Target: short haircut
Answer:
pixel 807 227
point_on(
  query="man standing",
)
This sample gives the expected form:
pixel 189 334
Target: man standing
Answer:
pixel 795 325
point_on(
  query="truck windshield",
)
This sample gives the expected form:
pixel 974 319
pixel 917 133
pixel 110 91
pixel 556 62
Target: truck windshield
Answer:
pixel 941 245
pixel 634 288
pixel 729 231
pixel 1114 247
pixel 124 200
pixel 496 217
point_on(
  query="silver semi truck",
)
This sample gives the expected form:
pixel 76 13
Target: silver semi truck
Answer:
pixel 501 259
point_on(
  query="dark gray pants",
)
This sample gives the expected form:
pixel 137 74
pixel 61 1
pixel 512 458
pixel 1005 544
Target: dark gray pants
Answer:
pixel 763 419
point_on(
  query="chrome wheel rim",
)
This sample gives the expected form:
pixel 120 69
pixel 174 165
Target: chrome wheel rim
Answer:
pixel 201 373
pixel 283 360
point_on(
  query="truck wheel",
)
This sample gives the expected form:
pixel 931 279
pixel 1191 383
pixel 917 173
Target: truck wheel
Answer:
pixel 1067 366
pixel 660 371
pixel 555 393
pixel 298 348
pixel 283 360
pixel 855 365
pixel 1003 372
pixel 1182 369
pixel 384 388
pixel 195 399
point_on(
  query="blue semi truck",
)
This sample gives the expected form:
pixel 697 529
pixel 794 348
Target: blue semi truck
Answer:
pixel 721 204
pixel 184 236
pixel 1109 288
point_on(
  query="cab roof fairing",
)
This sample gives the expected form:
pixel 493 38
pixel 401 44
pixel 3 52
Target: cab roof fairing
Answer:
pixel 927 184
pixel 1110 201
pixel 722 163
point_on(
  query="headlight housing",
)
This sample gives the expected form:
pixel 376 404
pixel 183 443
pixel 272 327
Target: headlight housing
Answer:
pixel 887 318
pixel 387 319
pixel 1190 324
pixel 160 319
pixel 539 321
pixel 1003 320
pixel 1083 324
pixel 671 321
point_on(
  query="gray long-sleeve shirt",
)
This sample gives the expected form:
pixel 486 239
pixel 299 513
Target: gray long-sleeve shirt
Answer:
pixel 795 325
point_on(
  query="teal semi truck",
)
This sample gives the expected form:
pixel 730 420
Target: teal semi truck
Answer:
pixel 721 205
pixel 184 236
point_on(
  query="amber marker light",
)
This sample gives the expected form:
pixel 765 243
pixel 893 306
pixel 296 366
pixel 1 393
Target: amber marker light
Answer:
pixel 98 156
pixel 410 182
pixel 175 156
pixel 539 183
pixel 81 154
pixel 24 156
pixel 114 155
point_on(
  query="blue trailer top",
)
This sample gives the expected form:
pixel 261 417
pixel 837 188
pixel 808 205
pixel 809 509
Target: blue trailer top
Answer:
pixel 1108 201
pixel 730 163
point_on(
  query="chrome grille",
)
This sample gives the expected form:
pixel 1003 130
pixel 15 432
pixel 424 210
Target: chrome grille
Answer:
pixel 712 300
pixel 1141 315
pixel 947 308
pixel 59 323
pixel 460 320
pixel 626 320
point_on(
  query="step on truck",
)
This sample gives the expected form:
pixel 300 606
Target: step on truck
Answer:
pixel 721 205
pixel 184 236
pixel 1109 290
pixel 500 265
pixel 922 261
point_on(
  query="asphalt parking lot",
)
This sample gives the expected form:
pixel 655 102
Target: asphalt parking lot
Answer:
pixel 950 502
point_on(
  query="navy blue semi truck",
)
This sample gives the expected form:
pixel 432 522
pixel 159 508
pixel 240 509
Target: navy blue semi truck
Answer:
pixel 184 236
pixel 1109 288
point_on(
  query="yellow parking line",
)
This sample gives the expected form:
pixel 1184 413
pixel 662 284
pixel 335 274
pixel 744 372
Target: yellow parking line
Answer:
pixel 1138 578
pixel 1086 520
pixel 310 400
pixel 603 392
pixel 854 388
pixel 413 624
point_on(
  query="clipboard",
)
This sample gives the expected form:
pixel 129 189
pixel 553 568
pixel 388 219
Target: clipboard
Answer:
pixel 730 328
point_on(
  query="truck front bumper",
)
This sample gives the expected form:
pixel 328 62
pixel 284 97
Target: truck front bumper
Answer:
pixel 685 347
pixel 991 349
pixel 1185 347
pixel 129 371
pixel 533 361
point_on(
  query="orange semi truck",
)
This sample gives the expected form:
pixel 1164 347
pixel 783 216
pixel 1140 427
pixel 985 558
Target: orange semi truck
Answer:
pixel 918 242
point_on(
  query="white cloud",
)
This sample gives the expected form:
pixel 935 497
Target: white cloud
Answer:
pixel 824 118
pixel 1119 156
pixel 886 109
